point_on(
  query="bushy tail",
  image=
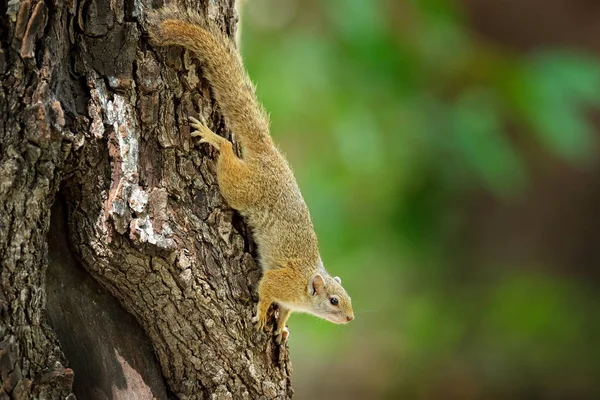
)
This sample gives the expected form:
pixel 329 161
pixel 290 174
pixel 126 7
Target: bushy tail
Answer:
pixel 222 66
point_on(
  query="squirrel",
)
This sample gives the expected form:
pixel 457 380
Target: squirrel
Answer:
pixel 260 185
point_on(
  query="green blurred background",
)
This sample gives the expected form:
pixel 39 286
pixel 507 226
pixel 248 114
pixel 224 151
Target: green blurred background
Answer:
pixel 448 151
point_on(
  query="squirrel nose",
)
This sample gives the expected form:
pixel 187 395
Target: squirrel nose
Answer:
pixel 350 318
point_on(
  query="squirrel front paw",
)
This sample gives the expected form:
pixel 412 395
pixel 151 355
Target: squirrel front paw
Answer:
pixel 207 136
pixel 262 312
pixel 260 322
pixel 282 335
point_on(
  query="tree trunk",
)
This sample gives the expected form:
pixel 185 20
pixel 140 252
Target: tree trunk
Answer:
pixel 100 178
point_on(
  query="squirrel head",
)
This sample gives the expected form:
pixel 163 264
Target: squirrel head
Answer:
pixel 329 300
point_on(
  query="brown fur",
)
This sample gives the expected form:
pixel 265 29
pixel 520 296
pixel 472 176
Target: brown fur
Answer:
pixel 261 186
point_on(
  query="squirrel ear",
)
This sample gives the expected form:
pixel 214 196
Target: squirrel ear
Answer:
pixel 315 285
pixel 338 279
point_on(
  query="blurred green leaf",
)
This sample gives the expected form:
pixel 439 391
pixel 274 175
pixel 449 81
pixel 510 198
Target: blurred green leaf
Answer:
pixel 476 129
pixel 557 88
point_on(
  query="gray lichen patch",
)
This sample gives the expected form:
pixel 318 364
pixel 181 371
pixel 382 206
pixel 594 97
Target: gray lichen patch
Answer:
pixel 126 196
pixel 138 200
pixel 141 231
pixel 122 117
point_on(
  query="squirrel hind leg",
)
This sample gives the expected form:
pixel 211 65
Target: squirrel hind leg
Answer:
pixel 233 173
pixel 282 332
pixel 282 336
pixel 237 180
pixel 206 134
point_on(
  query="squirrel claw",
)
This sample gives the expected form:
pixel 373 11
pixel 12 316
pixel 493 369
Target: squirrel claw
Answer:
pixel 199 125
pixel 259 322
pixel 195 121
pixel 282 336
pixel 205 133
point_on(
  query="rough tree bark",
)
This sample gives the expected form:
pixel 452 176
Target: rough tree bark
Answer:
pixel 100 178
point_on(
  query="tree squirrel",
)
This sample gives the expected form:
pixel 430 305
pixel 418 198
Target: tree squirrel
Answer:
pixel 261 185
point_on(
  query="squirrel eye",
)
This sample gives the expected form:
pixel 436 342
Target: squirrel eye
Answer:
pixel 334 301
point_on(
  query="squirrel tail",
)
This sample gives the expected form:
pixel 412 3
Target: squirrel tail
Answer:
pixel 222 67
